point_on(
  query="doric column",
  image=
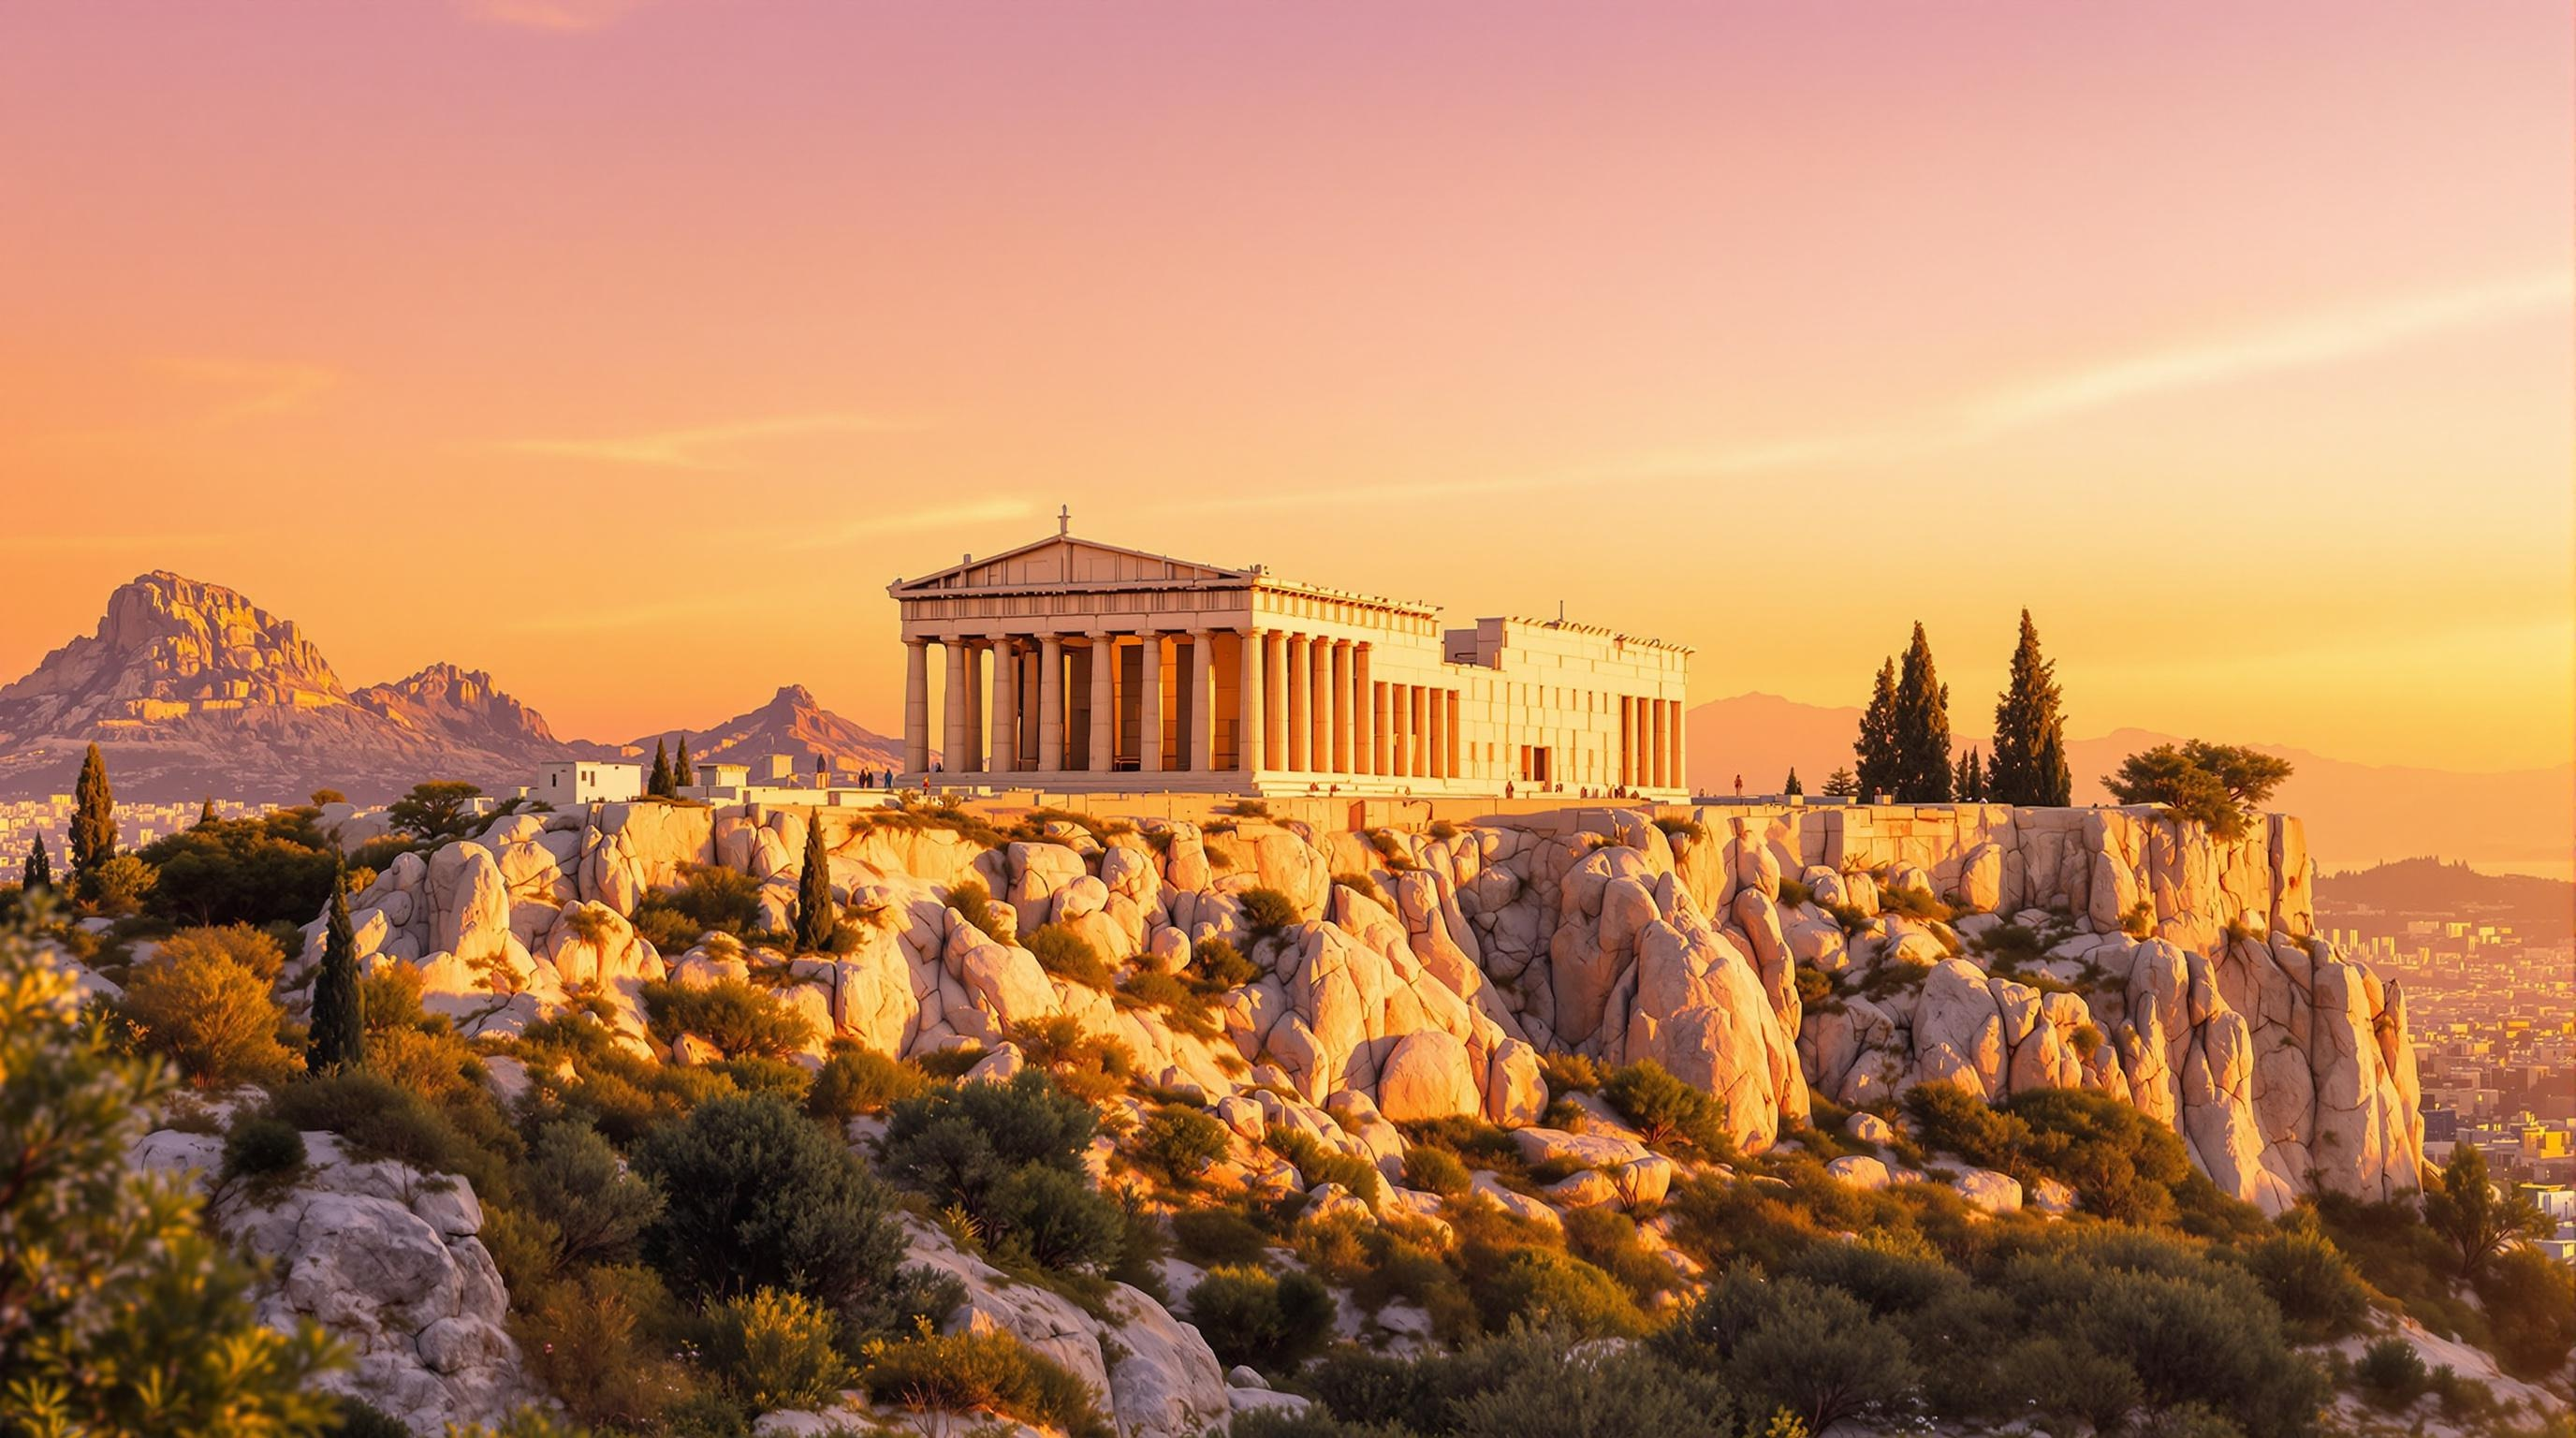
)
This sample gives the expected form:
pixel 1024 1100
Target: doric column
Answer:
pixel 1381 731
pixel 952 747
pixel 1104 702
pixel 916 705
pixel 1681 744
pixel 1440 756
pixel 1319 705
pixel 1050 704
pixel 1202 702
pixel 1252 699
pixel 1004 741
pixel 1363 715
pixel 1274 697
pixel 1627 740
pixel 1341 706
pixel 1449 734
pixel 1300 697
pixel 973 762
pixel 1149 706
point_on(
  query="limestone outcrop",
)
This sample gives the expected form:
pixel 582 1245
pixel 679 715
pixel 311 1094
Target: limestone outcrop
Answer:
pixel 1998 949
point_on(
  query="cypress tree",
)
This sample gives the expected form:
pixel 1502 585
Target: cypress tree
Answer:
pixel 338 1038
pixel 1922 728
pixel 93 816
pixel 1876 748
pixel 1969 782
pixel 815 920
pixel 682 775
pixel 658 783
pixel 2027 721
pixel 39 870
pixel 1791 785
pixel 206 812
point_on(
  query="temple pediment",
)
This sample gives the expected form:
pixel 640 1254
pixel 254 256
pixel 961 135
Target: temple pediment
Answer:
pixel 1063 561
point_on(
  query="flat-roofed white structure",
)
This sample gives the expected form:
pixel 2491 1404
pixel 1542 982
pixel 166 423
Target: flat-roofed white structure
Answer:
pixel 588 781
pixel 1074 665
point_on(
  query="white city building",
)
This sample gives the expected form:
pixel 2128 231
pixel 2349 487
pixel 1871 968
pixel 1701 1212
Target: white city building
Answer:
pixel 1073 665
pixel 588 781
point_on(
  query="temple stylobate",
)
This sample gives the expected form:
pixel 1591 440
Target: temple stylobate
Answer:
pixel 1073 665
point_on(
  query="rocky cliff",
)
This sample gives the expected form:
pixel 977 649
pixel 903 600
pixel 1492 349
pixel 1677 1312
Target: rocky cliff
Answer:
pixel 1992 948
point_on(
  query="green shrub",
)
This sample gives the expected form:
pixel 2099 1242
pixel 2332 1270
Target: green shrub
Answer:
pixel 1666 1111
pixel 2532 1303
pixel 1794 893
pixel 1316 1164
pixel 775 1350
pixel 2390 1374
pixel 709 898
pixel 981 1372
pixel 1179 1143
pixel 262 1152
pixel 598 1210
pixel 972 902
pixel 1362 885
pixel 1220 964
pixel 600 1342
pixel 1609 1241
pixel 376 1119
pixel 855 1080
pixel 1209 1237
pixel 967 1144
pixel 210 1015
pixel 358 1418
pixel 1267 911
pixel 1435 1170
pixel 1053 1218
pixel 1541 1285
pixel 1091 1067
pixel 257 950
pixel 1813 1351
pixel 2321 1299
pixel 741 1021
pixel 1250 1316
pixel 1068 955
pixel 758 1196
pixel 1569 1072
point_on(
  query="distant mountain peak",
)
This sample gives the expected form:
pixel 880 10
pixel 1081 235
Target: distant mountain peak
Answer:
pixel 795 696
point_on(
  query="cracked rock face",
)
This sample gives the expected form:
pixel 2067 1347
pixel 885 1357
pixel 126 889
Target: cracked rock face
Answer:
pixel 390 1262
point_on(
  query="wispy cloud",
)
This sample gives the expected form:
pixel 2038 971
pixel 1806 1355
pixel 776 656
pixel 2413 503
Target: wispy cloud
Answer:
pixel 2298 342
pixel 875 526
pixel 251 388
pixel 704 446
pixel 561 17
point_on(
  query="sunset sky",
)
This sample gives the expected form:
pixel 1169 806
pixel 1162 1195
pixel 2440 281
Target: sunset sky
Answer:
pixel 628 350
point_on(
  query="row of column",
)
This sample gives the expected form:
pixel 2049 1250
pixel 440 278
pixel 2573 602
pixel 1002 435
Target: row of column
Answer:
pixel 1304 704
pixel 1650 743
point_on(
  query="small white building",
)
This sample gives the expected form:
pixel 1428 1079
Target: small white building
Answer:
pixel 588 781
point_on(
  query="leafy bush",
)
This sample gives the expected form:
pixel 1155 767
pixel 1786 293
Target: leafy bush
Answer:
pixel 377 1119
pixel 758 1196
pixel 855 1079
pixel 1542 1285
pixel 710 898
pixel 210 1015
pixel 1316 1164
pixel 2532 1303
pixel 1435 1170
pixel 277 866
pixel 1815 1351
pixel 1250 1316
pixel 599 1210
pixel 2390 1374
pixel 1089 1066
pixel 600 1342
pixel 974 903
pixel 1267 911
pixel 2121 1164
pixel 2219 785
pixel 262 1152
pixel 1666 1111
pixel 1068 955
pixel 740 1020
pixel 972 1144
pixel 1362 885
pixel 1569 1072
pixel 2321 1299
pixel 775 1350
pixel 1179 1143
pixel 358 1418
pixel 1219 963
pixel 1208 1237
pixel 1609 1241
pixel 981 1372
pixel 254 949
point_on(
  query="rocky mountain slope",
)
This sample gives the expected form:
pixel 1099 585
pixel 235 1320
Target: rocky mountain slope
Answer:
pixel 191 689
pixel 791 723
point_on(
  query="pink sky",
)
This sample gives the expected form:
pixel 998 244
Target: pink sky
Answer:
pixel 628 350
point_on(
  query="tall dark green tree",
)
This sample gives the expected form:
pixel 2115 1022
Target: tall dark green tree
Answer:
pixel 39 870
pixel 815 918
pixel 206 812
pixel 1922 727
pixel 658 783
pixel 1791 785
pixel 2029 728
pixel 339 1034
pixel 682 775
pixel 1876 747
pixel 93 816
pixel 1968 782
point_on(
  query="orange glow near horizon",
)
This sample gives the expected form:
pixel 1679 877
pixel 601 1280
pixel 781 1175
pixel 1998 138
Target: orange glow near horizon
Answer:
pixel 627 350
